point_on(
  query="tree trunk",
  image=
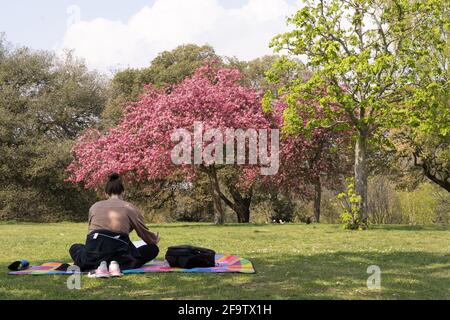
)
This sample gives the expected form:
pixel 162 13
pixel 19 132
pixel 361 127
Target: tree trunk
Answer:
pixel 241 205
pixel 215 192
pixel 242 209
pixel 361 174
pixel 317 199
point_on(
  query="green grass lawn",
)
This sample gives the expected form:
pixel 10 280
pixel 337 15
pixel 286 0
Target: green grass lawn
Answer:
pixel 292 262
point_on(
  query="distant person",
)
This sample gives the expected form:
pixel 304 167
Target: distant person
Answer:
pixel 108 242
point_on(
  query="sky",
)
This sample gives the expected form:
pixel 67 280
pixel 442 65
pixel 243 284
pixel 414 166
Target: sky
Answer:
pixel 115 34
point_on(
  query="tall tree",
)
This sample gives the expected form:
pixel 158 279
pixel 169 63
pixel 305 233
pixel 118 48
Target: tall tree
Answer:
pixel 366 56
pixel 141 145
pixel 44 103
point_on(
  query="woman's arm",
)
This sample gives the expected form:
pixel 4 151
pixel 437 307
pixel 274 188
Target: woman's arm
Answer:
pixel 138 224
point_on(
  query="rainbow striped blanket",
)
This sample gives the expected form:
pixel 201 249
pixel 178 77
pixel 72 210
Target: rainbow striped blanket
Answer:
pixel 224 263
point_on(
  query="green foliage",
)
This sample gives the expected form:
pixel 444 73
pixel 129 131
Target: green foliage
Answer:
pixel 375 65
pixel 376 45
pixel 351 216
pixel 171 67
pixel 44 103
pixel 283 208
pixel 192 201
pixel 425 205
pixel 168 68
pixel 423 140
pixel 421 154
pixel 124 88
pixel 260 74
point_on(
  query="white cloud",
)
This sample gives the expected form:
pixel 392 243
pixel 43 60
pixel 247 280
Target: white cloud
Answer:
pixel 243 32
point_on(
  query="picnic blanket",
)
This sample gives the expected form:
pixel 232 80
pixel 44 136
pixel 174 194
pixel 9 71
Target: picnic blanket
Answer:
pixel 224 263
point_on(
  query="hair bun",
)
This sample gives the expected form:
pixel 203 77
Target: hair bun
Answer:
pixel 114 176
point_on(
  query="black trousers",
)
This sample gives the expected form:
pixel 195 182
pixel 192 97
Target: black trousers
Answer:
pixel 104 245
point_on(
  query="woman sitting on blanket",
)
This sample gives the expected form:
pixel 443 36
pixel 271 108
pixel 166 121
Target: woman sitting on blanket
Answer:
pixel 110 223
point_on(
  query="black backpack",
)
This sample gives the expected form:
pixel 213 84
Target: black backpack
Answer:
pixel 188 257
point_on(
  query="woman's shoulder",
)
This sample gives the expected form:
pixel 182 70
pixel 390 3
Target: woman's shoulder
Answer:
pixel 99 203
pixel 110 203
pixel 133 207
pixel 129 205
pixel 115 203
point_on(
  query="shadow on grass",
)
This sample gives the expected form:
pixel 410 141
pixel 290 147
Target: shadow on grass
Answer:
pixel 406 275
pixel 337 275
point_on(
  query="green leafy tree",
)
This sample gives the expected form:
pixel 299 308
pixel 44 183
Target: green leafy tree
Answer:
pixel 173 66
pixel 255 72
pixel 44 103
pixel 124 88
pixel 365 58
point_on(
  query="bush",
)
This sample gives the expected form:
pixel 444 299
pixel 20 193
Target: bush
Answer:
pixel 351 216
pixel 283 209
pixel 29 204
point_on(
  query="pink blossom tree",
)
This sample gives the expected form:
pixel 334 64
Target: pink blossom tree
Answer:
pixel 140 146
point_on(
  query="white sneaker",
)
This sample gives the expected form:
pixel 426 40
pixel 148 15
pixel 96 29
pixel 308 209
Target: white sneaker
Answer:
pixel 101 271
pixel 114 269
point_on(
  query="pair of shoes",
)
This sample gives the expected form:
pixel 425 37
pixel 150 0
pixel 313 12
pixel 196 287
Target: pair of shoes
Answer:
pixel 103 272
